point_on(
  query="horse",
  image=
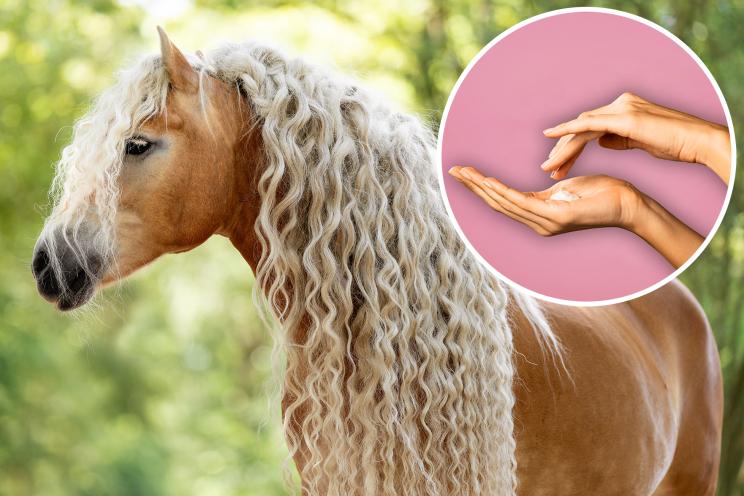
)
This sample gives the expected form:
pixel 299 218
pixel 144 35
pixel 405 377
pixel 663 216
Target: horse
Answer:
pixel 410 369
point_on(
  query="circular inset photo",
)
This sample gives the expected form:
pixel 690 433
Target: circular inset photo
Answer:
pixel 587 156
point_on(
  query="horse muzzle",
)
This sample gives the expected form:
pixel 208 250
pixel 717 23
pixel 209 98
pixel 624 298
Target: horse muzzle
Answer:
pixel 66 272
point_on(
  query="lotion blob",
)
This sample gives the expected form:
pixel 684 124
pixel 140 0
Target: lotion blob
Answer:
pixel 563 195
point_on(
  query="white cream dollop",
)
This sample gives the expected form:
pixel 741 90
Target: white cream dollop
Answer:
pixel 563 195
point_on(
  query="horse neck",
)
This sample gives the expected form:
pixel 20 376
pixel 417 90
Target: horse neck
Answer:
pixel 249 162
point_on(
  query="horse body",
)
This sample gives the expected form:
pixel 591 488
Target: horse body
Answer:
pixel 400 358
pixel 640 413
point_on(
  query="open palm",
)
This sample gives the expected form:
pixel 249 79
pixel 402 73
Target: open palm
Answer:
pixel 569 205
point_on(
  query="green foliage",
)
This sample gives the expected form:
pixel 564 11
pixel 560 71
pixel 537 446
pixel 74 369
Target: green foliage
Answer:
pixel 164 388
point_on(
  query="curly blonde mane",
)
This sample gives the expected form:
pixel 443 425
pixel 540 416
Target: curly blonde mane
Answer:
pixel 398 348
pixel 399 371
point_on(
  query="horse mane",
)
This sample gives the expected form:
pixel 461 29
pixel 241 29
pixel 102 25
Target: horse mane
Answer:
pixel 398 347
pixel 399 351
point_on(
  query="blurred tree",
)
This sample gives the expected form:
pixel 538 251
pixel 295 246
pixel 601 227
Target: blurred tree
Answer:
pixel 163 395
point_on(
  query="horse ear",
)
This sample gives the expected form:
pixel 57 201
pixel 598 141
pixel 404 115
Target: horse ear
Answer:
pixel 181 74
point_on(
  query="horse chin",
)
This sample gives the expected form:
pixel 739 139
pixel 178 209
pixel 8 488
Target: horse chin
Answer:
pixel 66 303
pixel 77 296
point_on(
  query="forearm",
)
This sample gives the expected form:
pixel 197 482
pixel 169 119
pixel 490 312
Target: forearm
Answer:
pixel 669 236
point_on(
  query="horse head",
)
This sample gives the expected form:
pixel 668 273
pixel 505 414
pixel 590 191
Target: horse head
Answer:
pixel 150 170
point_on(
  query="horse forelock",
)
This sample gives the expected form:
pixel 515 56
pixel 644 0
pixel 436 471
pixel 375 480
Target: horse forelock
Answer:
pixel 84 192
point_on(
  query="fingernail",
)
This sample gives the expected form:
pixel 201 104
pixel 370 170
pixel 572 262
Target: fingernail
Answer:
pixel 546 131
pixel 453 171
pixel 544 165
pixel 554 174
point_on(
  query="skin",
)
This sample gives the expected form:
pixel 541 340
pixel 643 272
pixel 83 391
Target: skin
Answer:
pixel 631 122
pixel 626 123
pixel 640 412
pixel 603 201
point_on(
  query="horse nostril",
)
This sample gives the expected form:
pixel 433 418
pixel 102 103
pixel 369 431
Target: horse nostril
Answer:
pixel 48 284
pixel 45 279
pixel 40 262
pixel 78 281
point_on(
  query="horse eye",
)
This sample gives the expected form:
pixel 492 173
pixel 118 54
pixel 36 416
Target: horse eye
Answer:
pixel 137 146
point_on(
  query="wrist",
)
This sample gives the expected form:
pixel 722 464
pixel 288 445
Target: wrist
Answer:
pixel 674 240
pixel 716 151
pixel 634 209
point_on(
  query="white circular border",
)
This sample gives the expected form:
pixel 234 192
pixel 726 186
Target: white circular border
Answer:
pixel 729 122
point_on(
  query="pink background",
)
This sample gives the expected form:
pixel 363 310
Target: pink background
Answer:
pixel 548 72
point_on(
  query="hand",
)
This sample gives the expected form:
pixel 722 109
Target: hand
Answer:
pixel 570 205
pixel 632 122
pixel 588 201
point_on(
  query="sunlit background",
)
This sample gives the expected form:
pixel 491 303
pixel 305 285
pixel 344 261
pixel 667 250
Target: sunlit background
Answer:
pixel 165 387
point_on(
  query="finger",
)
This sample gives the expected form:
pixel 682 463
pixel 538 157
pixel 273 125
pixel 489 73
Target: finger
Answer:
pixel 571 149
pixel 511 206
pixel 528 204
pixel 603 123
pixel 499 207
pixel 457 173
pixel 472 173
pixel 475 176
pixel 507 200
pixel 480 192
pixel 562 141
pixel 563 170
pixel 604 109
pixel 515 211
